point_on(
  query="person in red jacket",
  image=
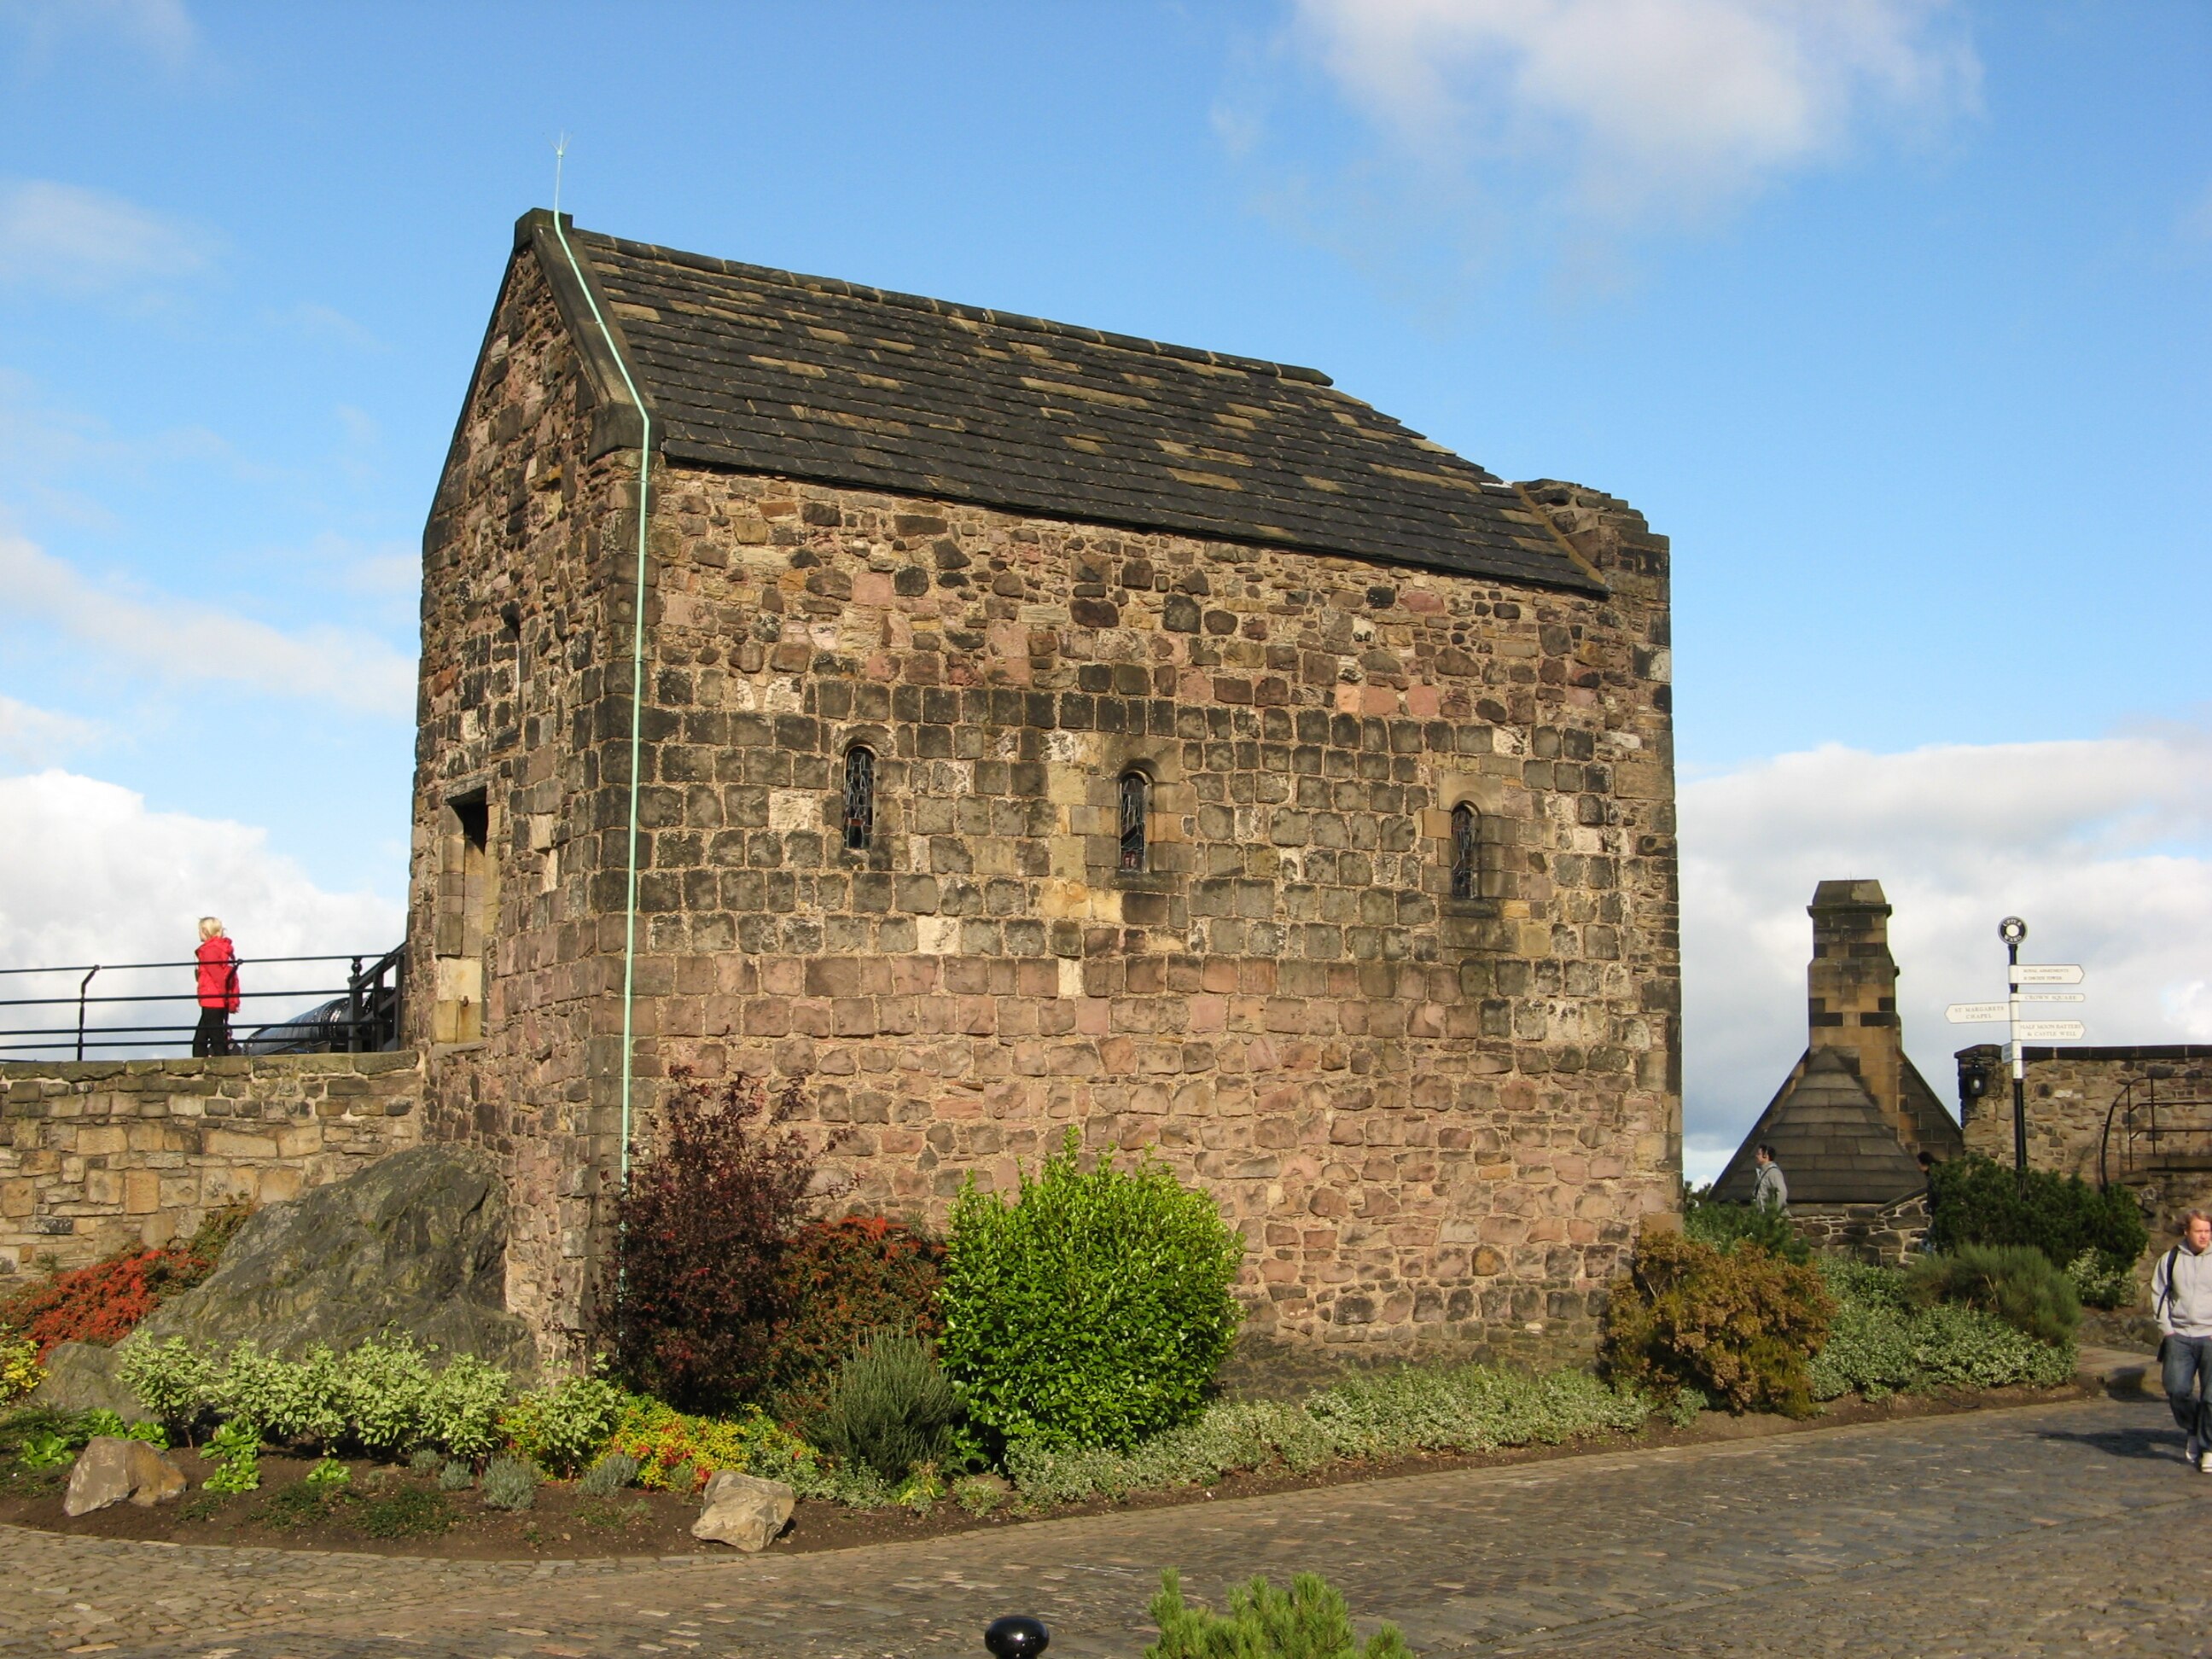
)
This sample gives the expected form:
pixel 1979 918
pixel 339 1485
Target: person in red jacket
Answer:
pixel 218 988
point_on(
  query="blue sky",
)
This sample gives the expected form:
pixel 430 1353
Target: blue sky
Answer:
pixel 1892 315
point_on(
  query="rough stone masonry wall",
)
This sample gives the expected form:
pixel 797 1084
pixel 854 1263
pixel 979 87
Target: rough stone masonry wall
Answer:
pixel 97 1156
pixel 1434 1119
pixel 527 525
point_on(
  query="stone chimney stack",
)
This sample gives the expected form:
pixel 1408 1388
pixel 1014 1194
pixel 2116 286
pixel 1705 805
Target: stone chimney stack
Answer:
pixel 1852 991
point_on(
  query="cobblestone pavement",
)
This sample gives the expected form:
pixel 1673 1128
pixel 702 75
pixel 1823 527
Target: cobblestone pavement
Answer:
pixel 2055 1529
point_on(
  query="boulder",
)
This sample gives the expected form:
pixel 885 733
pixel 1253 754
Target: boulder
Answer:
pixel 110 1469
pixel 416 1242
pixel 81 1378
pixel 742 1510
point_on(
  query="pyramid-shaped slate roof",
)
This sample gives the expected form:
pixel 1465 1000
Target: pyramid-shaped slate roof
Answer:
pixel 762 370
pixel 1832 1141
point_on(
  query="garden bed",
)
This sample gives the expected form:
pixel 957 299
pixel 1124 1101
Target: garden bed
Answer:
pixel 385 1510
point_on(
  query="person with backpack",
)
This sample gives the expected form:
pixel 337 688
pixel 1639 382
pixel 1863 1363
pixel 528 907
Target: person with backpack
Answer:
pixel 1769 1190
pixel 218 989
pixel 2181 1295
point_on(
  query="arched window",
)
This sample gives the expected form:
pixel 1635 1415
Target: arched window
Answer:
pixel 1463 857
pixel 1136 800
pixel 860 798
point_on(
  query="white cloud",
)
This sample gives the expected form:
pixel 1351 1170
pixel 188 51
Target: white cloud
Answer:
pixel 176 640
pixel 2103 845
pixel 92 875
pixel 74 240
pixel 34 737
pixel 1646 104
pixel 163 29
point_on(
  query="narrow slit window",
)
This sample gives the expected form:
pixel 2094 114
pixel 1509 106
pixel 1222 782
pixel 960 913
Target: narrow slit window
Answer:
pixel 1136 805
pixel 1463 855
pixel 860 798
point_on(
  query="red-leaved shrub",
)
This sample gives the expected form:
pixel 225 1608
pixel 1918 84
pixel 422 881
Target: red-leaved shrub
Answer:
pixel 102 1302
pixel 840 1281
pixel 691 1301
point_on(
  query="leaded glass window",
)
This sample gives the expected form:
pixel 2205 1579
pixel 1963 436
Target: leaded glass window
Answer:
pixel 860 798
pixel 1463 856
pixel 1136 804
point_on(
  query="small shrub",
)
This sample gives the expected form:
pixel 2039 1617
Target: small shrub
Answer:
pixel 102 1302
pixel 456 1476
pixel 1722 1225
pixel 676 1451
pixel 1978 1202
pixel 838 1282
pixel 236 1449
pixel 290 1508
pixel 102 1421
pixel 979 1494
pixel 45 1449
pixel 409 1513
pixel 562 1428
pixel 385 1395
pixel 461 1411
pixel 174 1380
pixel 1742 1328
pixel 328 1474
pixel 20 1370
pixel 509 1483
pixel 1093 1309
pixel 2016 1283
pixel 2102 1280
pixel 1308 1622
pixel 427 1460
pixel 1683 1410
pixel 692 1281
pixel 217 1229
pixel 614 1471
pixel 890 1408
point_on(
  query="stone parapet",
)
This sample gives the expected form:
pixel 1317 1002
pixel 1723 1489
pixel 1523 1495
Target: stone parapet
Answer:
pixel 97 1156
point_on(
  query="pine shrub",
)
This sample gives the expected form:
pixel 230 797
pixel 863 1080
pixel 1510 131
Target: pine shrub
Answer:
pixel 1740 1327
pixel 692 1289
pixel 1093 1309
pixel 2017 1283
pixel 889 1407
pixel 839 1281
pixel 614 1471
pixel 1978 1202
pixel 1310 1621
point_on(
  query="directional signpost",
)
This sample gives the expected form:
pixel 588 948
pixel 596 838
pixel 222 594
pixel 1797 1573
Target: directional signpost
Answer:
pixel 2012 930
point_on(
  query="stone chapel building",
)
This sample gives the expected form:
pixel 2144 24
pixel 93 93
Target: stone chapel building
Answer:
pixel 1043 727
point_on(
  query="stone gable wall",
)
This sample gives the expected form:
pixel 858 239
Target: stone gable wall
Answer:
pixel 1433 1119
pixel 98 1156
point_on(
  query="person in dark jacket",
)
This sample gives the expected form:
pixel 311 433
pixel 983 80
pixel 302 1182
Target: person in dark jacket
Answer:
pixel 218 989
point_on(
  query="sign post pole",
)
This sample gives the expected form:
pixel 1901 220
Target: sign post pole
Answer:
pixel 2012 930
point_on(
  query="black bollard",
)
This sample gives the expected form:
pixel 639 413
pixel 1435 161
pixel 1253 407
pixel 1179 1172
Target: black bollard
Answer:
pixel 1017 1636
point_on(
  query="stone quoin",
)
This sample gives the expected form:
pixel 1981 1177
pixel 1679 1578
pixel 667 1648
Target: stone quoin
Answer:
pixel 1041 728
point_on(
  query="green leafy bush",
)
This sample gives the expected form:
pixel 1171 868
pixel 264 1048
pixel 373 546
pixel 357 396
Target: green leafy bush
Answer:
pixel 1094 1310
pixel 677 1451
pixel 1723 1225
pixel 2019 1283
pixel 1309 1622
pixel 1740 1327
pixel 1384 1414
pixel 2102 1280
pixel 20 1370
pixel 838 1282
pixel 509 1483
pixel 614 1471
pixel 889 1407
pixel 1978 1202
pixel 328 1474
pixel 1881 1342
pixel 562 1428
pixel 236 1449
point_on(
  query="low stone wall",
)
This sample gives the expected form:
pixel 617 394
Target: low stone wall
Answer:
pixel 97 1155
pixel 1884 1234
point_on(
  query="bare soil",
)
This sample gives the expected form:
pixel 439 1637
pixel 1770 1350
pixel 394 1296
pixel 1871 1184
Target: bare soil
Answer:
pixel 384 1509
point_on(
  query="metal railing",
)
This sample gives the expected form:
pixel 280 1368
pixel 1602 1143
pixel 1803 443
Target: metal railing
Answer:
pixel 360 1016
pixel 2148 1128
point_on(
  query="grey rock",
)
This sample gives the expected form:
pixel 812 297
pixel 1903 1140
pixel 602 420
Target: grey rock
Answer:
pixel 111 1469
pixel 742 1510
pixel 416 1242
pixel 81 1378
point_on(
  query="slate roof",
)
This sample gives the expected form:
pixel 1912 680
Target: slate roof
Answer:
pixel 766 371
pixel 1831 1139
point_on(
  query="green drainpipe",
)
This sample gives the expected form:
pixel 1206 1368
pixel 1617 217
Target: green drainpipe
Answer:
pixel 636 681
